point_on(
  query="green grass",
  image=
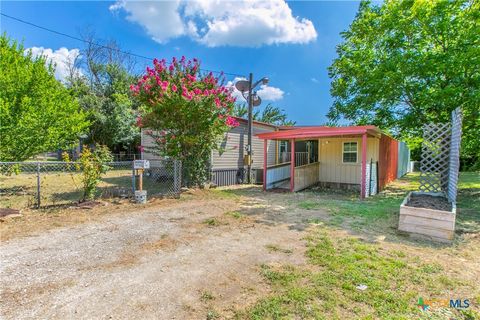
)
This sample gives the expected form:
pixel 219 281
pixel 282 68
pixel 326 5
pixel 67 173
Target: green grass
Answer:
pixel 337 263
pixel 206 296
pixel 275 248
pixel 212 222
pixel 384 207
pixel 327 289
pixel 19 191
pixel 234 214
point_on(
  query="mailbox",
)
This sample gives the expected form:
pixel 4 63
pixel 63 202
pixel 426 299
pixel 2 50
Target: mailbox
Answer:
pixel 141 164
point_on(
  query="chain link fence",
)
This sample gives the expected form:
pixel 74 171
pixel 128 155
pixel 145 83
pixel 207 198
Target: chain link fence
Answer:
pixel 45 184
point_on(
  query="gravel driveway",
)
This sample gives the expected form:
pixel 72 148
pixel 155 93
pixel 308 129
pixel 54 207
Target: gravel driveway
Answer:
pixel 175 262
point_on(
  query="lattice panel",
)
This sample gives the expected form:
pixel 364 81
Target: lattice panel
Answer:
pixel 456 139
pixel 434 165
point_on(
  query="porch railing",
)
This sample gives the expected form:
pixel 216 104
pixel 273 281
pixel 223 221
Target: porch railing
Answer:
pixel 301 158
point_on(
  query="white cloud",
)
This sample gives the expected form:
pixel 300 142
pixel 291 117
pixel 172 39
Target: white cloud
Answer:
pixel 61 58
pixel 315 80
pixel 270 93
pixel 220 23
pixel 267 93
pixel 161 19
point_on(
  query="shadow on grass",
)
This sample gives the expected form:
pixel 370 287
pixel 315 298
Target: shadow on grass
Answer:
pixel 375 218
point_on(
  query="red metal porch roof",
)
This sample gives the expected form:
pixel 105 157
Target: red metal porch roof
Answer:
pixel 318 132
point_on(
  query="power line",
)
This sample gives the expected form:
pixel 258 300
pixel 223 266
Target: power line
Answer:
pixel 101 45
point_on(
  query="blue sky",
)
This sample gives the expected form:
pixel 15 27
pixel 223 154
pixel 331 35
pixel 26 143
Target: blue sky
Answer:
pixel 291 43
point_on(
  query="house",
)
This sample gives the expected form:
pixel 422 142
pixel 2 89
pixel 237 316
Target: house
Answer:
pixel 228 163
pixel 359 157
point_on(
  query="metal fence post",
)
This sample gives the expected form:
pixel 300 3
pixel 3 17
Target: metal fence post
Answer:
pixel 133 178
pixel 177 177
pixel 38 185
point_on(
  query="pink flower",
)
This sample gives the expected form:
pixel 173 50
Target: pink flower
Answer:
pixel 232 122
pixel 141 148
pixel 174 88
pixel 139 122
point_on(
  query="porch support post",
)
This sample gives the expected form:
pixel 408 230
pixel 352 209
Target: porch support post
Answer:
pixel 265 165
pixel 292 165
pixel 364 165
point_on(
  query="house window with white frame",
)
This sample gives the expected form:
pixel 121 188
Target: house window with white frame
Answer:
pixel 350 152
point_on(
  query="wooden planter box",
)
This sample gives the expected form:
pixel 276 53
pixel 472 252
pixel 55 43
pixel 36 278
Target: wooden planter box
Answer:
pixel 437 225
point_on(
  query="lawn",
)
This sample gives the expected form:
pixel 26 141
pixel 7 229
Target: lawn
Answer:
pixel 358 245
pixel 242 253
pixel 19 191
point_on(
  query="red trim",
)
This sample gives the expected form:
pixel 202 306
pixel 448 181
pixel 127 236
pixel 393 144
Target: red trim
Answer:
pixel 364 165
pixel 256 122
pixel 265 165
pixel 292 165
pixel 317 132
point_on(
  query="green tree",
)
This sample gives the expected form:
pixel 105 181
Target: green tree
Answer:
pixel 103 92
pixel 406 63
pixel 110 107
pixel 37 113
pixel 188 113
pixel 269 114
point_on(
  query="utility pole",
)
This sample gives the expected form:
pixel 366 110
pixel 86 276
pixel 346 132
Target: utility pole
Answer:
pixel 250 128
pixel 246 87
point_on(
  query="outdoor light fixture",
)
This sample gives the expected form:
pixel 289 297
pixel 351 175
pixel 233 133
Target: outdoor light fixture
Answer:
pixel 246 88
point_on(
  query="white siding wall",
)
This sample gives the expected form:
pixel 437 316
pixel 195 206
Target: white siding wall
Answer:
pixel 233 146
pixel 332 169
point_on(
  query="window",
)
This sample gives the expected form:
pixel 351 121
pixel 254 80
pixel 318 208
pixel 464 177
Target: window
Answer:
pixel 283 146
pixel 350 150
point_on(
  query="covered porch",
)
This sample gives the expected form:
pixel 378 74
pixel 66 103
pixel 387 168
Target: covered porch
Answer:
pixel 309 155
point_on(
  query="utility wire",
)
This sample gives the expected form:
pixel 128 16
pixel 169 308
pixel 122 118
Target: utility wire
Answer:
pixel 101 45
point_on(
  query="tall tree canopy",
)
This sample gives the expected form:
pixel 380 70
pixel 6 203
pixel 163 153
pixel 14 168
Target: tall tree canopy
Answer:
pixel 37 113
pixel 270 114
pixel 405 63
pixel 103 92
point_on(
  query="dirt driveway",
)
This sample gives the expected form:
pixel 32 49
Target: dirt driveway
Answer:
pixel 188 259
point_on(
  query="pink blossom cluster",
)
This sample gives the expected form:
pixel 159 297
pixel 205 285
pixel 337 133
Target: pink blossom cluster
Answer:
pixel 232 122
pixel 181 79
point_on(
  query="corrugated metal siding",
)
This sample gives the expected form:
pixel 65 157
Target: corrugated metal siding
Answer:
pixel 388 161
pixel 403 159
pixel 233 148
pixel 332 169
pixel 228 177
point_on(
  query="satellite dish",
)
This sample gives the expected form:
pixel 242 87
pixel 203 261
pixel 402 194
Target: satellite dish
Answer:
pixel 242 85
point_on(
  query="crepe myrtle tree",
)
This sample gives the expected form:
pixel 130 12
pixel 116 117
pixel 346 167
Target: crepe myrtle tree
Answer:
pixel 186 112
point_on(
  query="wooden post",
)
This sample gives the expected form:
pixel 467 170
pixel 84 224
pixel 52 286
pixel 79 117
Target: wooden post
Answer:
pixel 292 165
pixel 364 165
pixel 265 165
pixel 140 179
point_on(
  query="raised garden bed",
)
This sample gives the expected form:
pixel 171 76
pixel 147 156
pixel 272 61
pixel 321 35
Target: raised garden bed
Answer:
pixel 429 215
